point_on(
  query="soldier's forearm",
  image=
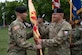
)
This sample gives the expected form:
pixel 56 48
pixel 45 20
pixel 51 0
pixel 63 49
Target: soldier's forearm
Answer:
pixel 21 42
pixel 28 46
pixel 51 42
pixel 29 35
pixel 78 42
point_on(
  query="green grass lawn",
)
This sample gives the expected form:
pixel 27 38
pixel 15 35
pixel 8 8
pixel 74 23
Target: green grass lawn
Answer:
pixel 4 42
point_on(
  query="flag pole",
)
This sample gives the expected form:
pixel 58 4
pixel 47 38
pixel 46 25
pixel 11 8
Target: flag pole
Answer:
pixel 70 1
pixel 52 9
pixel 70 10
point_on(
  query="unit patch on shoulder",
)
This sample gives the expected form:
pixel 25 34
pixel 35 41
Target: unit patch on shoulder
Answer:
pixel 16 27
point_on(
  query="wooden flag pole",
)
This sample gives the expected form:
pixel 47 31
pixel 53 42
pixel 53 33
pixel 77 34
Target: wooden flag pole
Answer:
pixel 70 10
pixel 70 17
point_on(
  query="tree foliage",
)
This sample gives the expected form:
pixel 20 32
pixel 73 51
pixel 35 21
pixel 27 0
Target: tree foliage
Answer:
pixel 41 6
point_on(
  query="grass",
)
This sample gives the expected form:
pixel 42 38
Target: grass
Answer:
pixel 4 42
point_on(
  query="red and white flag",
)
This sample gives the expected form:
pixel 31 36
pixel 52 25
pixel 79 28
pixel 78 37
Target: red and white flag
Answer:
pixel 55 4
pixel 33 19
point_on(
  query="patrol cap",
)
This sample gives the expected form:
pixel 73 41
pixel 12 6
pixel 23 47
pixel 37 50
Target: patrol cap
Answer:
pixel 57 10
pixel 21 9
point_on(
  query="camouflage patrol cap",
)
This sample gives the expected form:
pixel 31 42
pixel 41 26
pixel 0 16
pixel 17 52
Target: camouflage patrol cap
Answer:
pixel 57 10
pixel 21 9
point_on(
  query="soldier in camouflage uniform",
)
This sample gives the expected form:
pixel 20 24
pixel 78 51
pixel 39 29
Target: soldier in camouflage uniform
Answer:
pixel 41 27
pixel 18 34
pixel 76 46
pixel 57 44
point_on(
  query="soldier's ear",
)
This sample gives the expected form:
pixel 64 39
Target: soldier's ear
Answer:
pixel 62 14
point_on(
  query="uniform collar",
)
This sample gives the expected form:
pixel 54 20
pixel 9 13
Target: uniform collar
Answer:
pixel 58 23
pixel 19 20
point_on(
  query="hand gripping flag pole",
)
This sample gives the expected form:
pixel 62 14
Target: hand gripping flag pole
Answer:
pixel 33 19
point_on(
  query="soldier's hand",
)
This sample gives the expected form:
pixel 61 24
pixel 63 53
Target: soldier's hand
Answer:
pixel 39 41
pixel 38 46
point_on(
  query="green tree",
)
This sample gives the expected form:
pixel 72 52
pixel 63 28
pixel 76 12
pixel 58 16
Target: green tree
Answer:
pixel 10 7
pixel 41 6
pixel 1 14
pixel 66 7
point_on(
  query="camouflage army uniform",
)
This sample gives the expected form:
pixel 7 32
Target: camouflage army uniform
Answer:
pixel 57 43
pixel 77 41
pixel 18 36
